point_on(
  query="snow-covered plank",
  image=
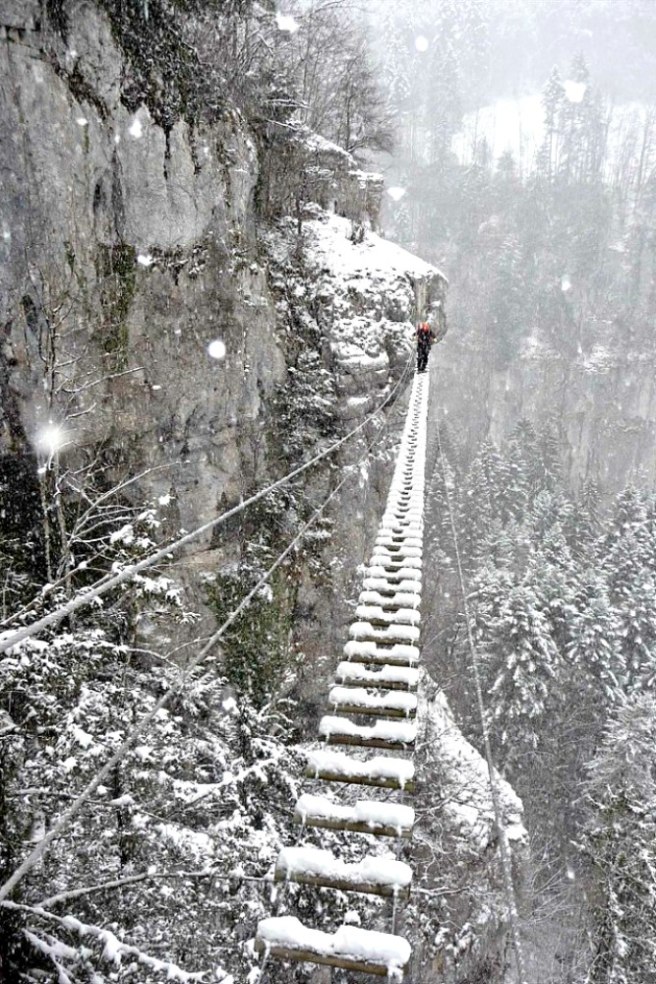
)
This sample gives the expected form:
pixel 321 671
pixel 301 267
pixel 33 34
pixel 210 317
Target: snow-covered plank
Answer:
pixel 391 564
pixel 358 700
pixel 371 876
pixel 384 771
pixel 351 948
pixel 398 550
pixel 388 585
pixel 378 615
pixel 386 676
pixel 390 633
pixel 390 599
pixel 405 574
pixel 395 541
pixel 366 651
pixel 391 735
pixel 365 817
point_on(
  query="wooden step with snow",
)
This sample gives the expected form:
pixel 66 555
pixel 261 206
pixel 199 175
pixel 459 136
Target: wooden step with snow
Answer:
pixel 383 771
pixel 351 948
pixel 385 560
pixel 381 580
pixel 371 876
pixel 366 651
pixel 385 677
pixel 397 541
pixel 389 598
pixel 389 735
pixel 366 817
pixel 396 553
pixel 405 574
pixel 385 703
pixel 377 615
pixel 366 632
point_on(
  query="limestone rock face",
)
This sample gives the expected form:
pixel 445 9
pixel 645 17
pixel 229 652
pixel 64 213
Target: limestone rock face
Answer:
pixel 127 248
pixel 602 399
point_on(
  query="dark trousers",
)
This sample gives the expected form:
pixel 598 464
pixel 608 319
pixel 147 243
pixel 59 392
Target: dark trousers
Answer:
pixel 422 356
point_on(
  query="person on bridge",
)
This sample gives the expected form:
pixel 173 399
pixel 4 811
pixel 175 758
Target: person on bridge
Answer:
pixel 425 338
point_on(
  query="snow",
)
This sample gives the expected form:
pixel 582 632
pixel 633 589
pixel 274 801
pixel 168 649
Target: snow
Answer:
pixel 51 438
pixel 381 767
pixel 392 599
pixel 574 91
pixel 391 633
pixel 399 652
pixel 368 812
pixel 349 942
pixel 396 193
pixel 285 22
pixel 407 616
pixel 374 260
pixel 464 784
pixel 422 43
pixel 398 732
pixel 135 129
pixel 395 700
pixel 145 259
pixel 216 349
pixel 312 862
pixel 356 672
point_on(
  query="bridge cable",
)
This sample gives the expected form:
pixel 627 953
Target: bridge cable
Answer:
pixel 504 849
pixel 105 584
pixel 146 720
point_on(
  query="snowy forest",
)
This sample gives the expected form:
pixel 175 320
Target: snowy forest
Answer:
pixel 221 222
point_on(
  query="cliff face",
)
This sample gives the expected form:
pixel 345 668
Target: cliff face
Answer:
pixel 129 245
pixel 602 399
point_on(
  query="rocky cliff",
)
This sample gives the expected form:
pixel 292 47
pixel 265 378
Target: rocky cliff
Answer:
pixel 134 238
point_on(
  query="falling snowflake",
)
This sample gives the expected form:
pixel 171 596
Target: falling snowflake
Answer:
pixel 574 91
pixel 396 193
pixel 421 42
pixel 51 438
pixel 565 283
pixel 81 121
pixel 145 259
pixel 216 349
pixel 135 129
pixel 287 23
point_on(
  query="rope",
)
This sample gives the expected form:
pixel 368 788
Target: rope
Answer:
pixel 145 721
pixel 108 582
pixel 504 848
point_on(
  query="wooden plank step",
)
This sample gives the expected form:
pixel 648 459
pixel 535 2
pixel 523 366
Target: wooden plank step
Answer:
pixel 379 559
pixel 371 876
pixel 396 553
pixel 389 598
pixel 366 632
pixel 387 584
pixel 365 817
pixel 351 948
pixel 390 735
pixel 377 615
pixel 383 771
pixel 386 677
pixel 395 541
pixel 405 574
pixel 366 651
pixel 385 703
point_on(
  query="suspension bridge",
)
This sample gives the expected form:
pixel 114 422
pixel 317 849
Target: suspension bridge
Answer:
pixel 373 706
pixel 367 738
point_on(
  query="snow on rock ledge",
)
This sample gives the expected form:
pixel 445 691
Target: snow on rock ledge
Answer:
pixel 456 838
